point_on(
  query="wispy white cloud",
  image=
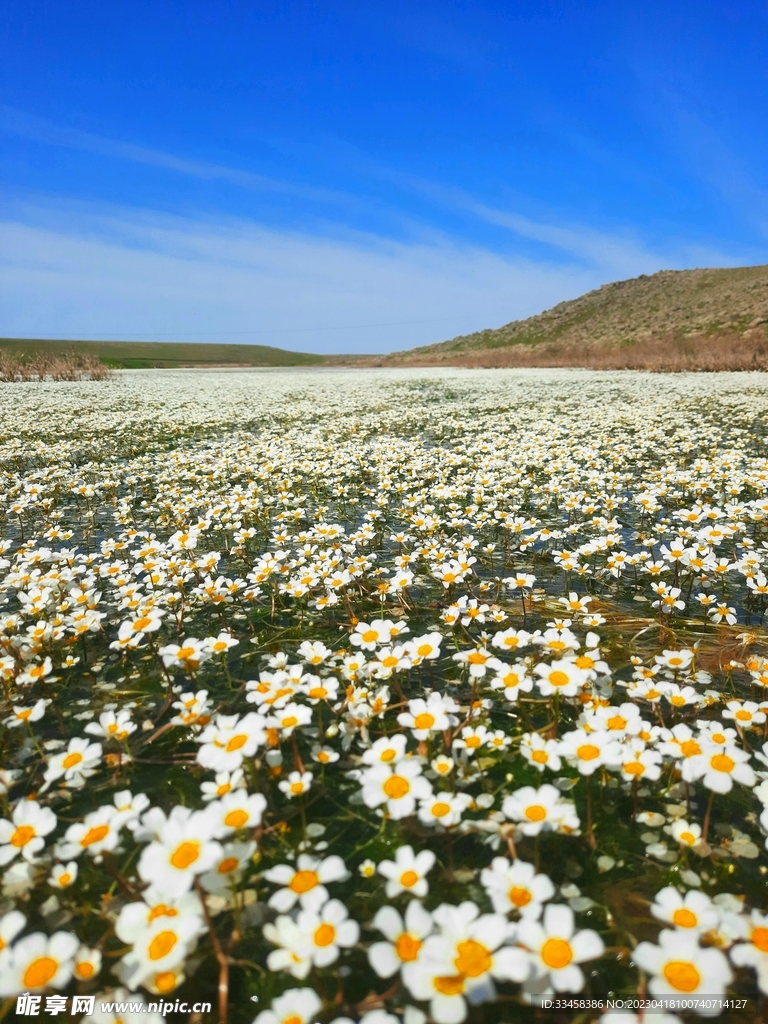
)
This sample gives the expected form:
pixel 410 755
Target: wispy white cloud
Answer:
pixel 97 272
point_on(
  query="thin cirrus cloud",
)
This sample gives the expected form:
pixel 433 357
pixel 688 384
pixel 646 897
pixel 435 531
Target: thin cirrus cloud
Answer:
pixel 97 271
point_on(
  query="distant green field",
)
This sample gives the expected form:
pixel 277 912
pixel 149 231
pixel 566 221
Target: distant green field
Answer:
pixel 146 354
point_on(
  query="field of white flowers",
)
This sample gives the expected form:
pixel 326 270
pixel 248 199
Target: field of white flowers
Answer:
pixel 384 696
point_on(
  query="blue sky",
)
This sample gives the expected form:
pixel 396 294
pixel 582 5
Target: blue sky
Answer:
pixel 366 176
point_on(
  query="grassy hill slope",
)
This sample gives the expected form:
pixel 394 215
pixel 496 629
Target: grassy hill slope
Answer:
pixel 144 354
pixel 680 315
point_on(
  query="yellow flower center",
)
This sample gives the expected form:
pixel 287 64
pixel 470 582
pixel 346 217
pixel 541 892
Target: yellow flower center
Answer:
pixel 165 981
pixel 687 837
pixel 535 812
pixel 440 809
pixel 690 748
pixel 559 678
pixel 424 721
pixel 227 865
pixel 84 969
pixel 161 910
pixel 303 881
pixel 162 944
pixel 634 768
pixel 556 953
pixel 473 959
pixel 94 835
pixel 408 879
pixel 617 722
pixel 236 818
pixel 324 935
pixel 407 947
pixel 290 722
pixel 369 636
pixel 450 985
pixel 318 693
pixel 22 836
pixel 682 975
pixel 396 787
pixel 684 918
pixel 186 853
pixel 588 752
pixel 743 716
pixel 540 756
pixel 722 763
pixel 423 650
pixel 64 879
pixel 40 972
pixel 519 896
pixel 71 760
pixel 236 742
pixel 760 939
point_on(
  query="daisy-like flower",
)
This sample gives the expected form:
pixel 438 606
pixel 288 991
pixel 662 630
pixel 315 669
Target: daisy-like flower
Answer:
pixel 638 762
pixel 561 676
pixel 305 883
pixel 754 952
pixel 587 751
pixel 534 809
pixel 135 918
pixel 719 767
pixel 370 636
pixel 86 964
pixel 444 808
pixel 297 784
pixel 679 696
pixel 161 947
pixel 442 765
pixel 694 910
pixel 38 962
pixel 514 886
pixel 189 654
pixel 620 721
pixel 225 782
pixel 24 833
pixel 23 715
pixel 324 755
pixel 62 876
pixel 97 833
pixel 294 948
pixel 513 680
pixel 229 870
pixel 539 752
pixel 407 872
pixel 746 714
pixel 679 966
pixel 237 810
pixel 296 1006
pixel 292 716
pixel 34 673
pixel 479 661
pixel 398 787
pixel 10 925
pixel 220 644
pixel 472 739
pixel 112 726
pixel 511 640
pixel 686 833
pixel 678 661
pixel 556 949
pixel 226 741
pixel 325 932
pixel 427 716
pixel 424 648
pixel 405 938
pixel 459 964
pixel 184 848
pixel 77 763
pixel 318 689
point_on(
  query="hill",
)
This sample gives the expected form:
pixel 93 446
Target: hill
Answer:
pixel 145 354
pixel 675 319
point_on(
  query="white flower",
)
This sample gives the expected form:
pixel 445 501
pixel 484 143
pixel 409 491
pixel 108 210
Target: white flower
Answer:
pixel 112 726
pixel 426 716
pixel 226 741
pixel 515 886
pixel 305 884
pixel 754 952
pixel 406 938
pixel 296 1006
pixel 62 875
pixel 11 924
pixel 694 910
pixel 297 784
pixel 562 677
pixel 98 832
pixel 681 967
pixel 184 849
pixel 589 750
pixel 23 834
pixel 237 810
pixel 229 870
pixel 539 752
pixel 555 948
pixel 76 763
pixel 536 809
pixel 398 787
pixel 387 750
pixel 718 767
pixel 407 872
pixel 37 962
pixel 444 808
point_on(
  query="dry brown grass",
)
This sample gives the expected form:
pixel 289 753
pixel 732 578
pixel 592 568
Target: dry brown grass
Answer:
pixel 667 355
pixel 37 366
